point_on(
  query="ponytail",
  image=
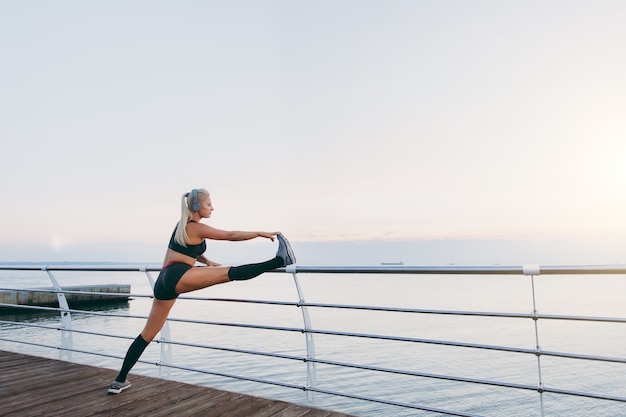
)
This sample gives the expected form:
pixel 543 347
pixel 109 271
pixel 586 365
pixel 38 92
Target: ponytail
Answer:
pixel 186 213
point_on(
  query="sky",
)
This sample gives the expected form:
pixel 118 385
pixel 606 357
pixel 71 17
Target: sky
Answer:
pixel 369 121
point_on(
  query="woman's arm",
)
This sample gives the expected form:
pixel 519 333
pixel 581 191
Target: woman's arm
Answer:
pixel 204 231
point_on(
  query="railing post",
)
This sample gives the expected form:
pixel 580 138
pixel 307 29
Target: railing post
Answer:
pixel 65 351
pixel 311 371
pixel 532 270
pixel 166 348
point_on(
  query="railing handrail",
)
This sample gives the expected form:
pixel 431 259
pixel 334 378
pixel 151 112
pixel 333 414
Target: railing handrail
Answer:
pixel 348 269
pixel 465 270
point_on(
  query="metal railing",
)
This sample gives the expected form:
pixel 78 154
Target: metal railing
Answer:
pixel 168 361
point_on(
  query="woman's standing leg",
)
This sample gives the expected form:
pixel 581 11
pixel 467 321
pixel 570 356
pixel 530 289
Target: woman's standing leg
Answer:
pixel 158 314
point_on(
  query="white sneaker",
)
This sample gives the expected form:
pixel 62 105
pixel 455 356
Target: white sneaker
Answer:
pixel 117 387
pixel 284 251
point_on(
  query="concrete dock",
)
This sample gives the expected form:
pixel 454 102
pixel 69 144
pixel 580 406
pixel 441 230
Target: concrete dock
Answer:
pixel 84 294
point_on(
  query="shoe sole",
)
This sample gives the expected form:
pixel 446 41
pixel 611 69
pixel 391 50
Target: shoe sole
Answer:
pixel 290 255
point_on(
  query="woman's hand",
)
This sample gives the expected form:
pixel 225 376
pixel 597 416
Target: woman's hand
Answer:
pixel 204 260
pixel 269 235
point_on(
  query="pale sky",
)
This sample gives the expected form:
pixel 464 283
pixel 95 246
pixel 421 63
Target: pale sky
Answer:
pixel 326 120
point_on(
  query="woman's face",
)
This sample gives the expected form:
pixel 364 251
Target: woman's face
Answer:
pixel 206 208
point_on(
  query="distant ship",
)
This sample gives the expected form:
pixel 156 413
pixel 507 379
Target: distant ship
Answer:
pixel 392 263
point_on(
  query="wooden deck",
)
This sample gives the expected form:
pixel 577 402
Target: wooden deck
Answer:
pixel 35 386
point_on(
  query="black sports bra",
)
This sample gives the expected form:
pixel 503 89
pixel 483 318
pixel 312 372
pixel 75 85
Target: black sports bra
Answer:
pixel 190 250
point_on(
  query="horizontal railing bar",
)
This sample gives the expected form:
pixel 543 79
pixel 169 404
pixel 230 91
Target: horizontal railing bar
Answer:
pixel 30 307
pixel 195 321
pixel 418 340
pixel 234 350
pixel 442 312
pixel 22 324
pixel 582 356
pixel 584 394
pixel 225 375
pixel 468 313
pixel 416 270
pixel 240 325
pixel 30 343
pixel 244 301
pixel 419 310
pixel 79 268
pixel 374 308
pixel 583 270
pixel 386 269
pixel 463 270
pixel 580 318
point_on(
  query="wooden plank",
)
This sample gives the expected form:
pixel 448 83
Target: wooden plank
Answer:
pixel 33 386
pixel 151 398
pixel 43 381
pixel 196 405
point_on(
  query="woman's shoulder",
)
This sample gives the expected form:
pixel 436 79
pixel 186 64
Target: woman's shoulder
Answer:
pixel 196 231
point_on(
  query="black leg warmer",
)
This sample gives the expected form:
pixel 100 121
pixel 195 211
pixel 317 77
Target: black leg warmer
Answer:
pixel 132 356
pixel 243 272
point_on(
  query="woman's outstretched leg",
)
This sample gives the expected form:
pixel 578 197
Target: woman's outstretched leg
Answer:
pixel 249 271
pixel 203 277
pixel 198 278
pixel 284 257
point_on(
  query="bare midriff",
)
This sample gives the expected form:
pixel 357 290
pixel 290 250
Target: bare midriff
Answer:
pixel 174 257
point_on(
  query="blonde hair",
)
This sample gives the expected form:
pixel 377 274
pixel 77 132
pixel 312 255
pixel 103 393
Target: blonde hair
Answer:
pixel 186 212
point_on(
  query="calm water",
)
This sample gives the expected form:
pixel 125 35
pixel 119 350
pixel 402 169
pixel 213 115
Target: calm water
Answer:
pixel 575 295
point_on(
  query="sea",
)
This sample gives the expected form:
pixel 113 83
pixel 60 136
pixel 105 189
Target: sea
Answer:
pixel 575 295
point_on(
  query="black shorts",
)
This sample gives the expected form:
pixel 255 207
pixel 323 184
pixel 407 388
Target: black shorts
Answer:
pixel 165 285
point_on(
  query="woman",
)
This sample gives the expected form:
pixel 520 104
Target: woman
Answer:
pixel 179 275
